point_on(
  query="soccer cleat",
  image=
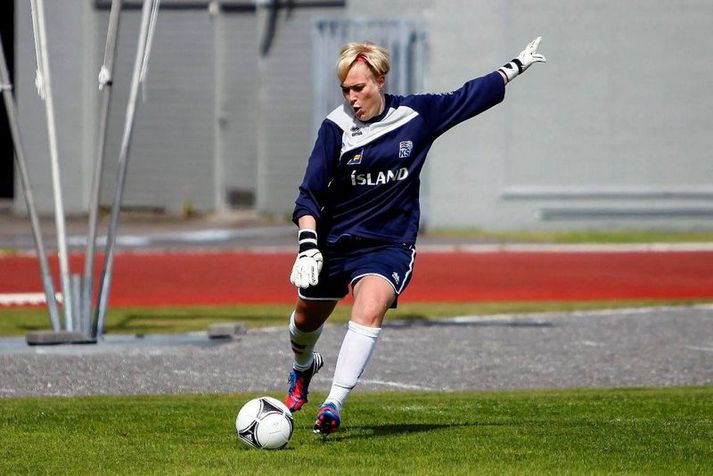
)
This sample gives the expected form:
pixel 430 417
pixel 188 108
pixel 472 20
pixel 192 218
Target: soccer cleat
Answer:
pixel 299 384
pixel 328 420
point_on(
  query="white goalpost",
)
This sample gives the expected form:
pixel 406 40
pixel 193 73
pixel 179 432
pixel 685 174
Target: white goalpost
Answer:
pixel 81 323
pixel 148 23
pixel 44 89
pixel 11 111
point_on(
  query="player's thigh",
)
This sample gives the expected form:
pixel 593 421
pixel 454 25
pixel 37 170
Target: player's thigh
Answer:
pixel 310 315
pixel 373 295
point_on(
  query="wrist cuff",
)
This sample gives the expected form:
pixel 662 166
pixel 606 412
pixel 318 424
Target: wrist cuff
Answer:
pixel 307 240
pixel 512 69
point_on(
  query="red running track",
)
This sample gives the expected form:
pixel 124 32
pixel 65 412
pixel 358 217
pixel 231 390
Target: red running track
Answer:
pixel 222 278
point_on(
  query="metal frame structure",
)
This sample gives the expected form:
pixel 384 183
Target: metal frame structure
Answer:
pixel 81 323
pixel 11 110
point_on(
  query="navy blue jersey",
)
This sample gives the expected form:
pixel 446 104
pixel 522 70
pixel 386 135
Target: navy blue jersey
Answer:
pixel 362 178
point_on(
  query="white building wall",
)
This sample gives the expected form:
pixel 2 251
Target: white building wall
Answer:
pixel 67 63
pixel 172 156
pixel 612 132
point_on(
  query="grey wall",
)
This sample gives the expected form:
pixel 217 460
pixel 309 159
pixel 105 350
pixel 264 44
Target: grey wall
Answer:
pixel 237 105
pixel 68 68
pixel 171 163
pixel 221 125
pixel 611 132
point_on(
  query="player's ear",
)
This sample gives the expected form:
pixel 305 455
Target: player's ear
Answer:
pixel 380 81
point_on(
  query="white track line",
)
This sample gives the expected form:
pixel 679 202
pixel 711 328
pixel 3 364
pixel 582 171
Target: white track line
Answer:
pixel 404 386
pixel 145 245
pixel 542 317
pixel 566 248
pixel 702 349
pixel 24 299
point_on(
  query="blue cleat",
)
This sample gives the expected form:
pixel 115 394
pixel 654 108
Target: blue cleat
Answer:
pixel 299 384
pixel 328 420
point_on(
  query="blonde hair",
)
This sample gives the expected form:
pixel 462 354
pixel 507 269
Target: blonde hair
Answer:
pixel 376 57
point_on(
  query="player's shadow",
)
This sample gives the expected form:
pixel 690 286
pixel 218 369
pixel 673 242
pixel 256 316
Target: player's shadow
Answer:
pixel 358 432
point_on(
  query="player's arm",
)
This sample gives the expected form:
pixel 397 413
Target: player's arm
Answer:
pixel 443 111
pixel 524 60
pixel 308 264
pixel 310 204
pixel 313 191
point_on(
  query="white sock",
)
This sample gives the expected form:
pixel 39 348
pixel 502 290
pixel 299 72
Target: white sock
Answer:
pixel 357 347
pixel 302 344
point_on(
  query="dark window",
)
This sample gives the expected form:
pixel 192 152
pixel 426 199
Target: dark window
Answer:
pixel 7 151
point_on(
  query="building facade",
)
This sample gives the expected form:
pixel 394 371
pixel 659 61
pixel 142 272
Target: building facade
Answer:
pixel 611 133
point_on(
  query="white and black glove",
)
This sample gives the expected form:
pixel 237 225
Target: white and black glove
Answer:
pixel 523 61
pixel 305 272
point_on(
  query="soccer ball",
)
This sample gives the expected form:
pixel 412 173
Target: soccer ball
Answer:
pixel 264 422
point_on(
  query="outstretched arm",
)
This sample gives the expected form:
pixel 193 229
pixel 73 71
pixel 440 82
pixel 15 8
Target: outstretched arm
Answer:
pixel 527 57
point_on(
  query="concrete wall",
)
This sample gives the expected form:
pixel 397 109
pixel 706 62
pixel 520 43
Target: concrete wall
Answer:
pixel 612 132
pixel 69 75
pixel 172 155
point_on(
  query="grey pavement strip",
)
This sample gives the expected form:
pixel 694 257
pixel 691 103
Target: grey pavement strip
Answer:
pixel 633 347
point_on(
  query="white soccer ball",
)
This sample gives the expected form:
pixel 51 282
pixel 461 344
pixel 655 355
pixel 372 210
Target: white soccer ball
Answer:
pixel 264 422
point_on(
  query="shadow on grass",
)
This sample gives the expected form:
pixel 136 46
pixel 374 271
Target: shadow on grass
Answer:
pixel 356 432
pixel 143 323
pixel 139 322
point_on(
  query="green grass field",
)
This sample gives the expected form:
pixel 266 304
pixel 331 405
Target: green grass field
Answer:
pixel 625 431
pixel 19 321
pixel 576 237
pixel 599 431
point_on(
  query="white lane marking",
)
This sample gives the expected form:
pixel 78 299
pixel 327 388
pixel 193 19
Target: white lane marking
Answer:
pixel 397 384
pixel 702 349
pixel 590 343
pixel 542 317
pixel 25 299
pixel 565 247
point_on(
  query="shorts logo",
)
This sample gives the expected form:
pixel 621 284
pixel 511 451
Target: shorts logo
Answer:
pixel 356 160
pixel 405 148
pixel 396 277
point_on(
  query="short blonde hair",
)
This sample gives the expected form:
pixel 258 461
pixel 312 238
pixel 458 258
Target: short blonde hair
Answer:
pixel 376 57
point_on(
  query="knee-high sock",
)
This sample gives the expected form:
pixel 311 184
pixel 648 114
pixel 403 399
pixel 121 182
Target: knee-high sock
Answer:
pixel 302 344
pixel 357 347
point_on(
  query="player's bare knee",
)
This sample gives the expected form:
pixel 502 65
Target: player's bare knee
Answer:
pixel 310 315
pixel 370 313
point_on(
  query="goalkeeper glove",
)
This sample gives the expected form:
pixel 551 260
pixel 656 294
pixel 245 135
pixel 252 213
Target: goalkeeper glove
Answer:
pixel 305 272
pixel 523 61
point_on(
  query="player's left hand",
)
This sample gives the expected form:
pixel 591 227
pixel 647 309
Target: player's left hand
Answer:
pixel 524 60
pixel 529 55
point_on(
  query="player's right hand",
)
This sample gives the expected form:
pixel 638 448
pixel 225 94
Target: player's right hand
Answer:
pixel 305 271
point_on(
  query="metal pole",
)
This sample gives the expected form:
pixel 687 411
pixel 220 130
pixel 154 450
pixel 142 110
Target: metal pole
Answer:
pixel 105 282
pixel 106 76
pixel 6 86
pixel 43 65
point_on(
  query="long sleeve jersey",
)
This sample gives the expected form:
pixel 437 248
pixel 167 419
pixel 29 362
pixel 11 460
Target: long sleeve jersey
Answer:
pixel 362 178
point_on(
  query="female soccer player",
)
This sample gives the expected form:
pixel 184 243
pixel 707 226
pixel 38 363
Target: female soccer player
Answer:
pixel 358 209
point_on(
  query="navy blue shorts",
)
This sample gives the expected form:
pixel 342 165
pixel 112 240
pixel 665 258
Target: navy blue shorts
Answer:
pixel 345 264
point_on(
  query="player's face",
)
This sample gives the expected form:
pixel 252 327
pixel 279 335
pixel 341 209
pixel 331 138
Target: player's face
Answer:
pixel 363 91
